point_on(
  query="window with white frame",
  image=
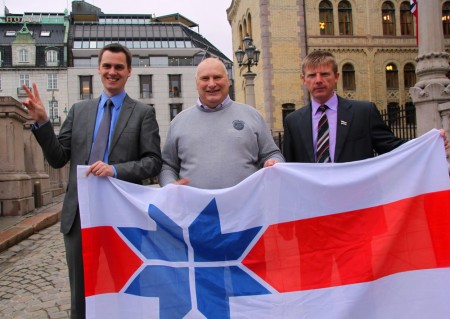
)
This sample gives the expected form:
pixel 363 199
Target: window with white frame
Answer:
pixel 52 81
pixel 53 112
pixel 24 79
pixel 23 55
pixel 51 56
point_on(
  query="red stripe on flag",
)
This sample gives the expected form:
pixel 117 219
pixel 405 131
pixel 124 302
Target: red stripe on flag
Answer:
pixel 357 246
pixel 108 261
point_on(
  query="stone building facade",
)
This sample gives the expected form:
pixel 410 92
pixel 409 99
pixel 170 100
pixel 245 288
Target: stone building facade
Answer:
pixel 59 52
pixel 374 42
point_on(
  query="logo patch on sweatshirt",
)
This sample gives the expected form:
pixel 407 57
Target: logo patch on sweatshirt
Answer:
pixel 238 125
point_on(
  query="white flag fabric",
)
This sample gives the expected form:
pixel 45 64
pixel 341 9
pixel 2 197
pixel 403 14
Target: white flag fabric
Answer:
pixel 367 239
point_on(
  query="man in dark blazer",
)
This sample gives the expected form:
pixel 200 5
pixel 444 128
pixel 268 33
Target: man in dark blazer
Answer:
pixel 356 129
pixel 360 131
pixel 133 153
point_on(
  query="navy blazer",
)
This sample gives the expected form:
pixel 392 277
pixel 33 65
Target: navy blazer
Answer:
pixel 360 132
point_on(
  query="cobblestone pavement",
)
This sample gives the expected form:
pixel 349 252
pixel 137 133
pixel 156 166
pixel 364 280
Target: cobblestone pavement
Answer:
pixel 33 278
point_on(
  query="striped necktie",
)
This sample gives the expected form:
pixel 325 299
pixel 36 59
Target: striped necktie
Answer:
pixel 323 138
pixel 101 139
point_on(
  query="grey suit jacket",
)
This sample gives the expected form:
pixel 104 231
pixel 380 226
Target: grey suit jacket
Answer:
pixel 360 132
pixel 134 151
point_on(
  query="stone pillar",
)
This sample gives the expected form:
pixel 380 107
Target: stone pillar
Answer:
pixel 34 164
pixel 433 86
pixel 250 88
pixel 16 195
pixel 444 111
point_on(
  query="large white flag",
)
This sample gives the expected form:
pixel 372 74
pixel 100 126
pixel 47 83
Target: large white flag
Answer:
pixel 367 239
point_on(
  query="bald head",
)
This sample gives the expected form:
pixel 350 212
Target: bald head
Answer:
pixel 212 82
pixel 208 62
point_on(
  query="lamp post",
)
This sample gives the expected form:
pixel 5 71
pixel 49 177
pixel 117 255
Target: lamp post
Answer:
pixel 252 59
pixel 52 108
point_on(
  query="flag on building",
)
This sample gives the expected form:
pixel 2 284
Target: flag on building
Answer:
pixel 415 11
pixel 367 239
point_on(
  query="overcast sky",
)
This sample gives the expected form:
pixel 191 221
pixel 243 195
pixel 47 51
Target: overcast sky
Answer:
pixel 210 15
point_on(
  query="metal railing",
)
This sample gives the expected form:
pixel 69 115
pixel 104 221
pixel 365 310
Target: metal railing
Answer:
pixel 401 120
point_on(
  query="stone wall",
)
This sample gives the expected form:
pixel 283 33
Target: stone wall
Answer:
pixel 24 181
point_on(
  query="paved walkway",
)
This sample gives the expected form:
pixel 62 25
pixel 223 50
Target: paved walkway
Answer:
pixel 34 282
pixel 33 272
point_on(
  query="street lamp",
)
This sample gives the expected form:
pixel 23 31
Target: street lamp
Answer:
pixel 53 105
pixel 252 59
pixel 249 50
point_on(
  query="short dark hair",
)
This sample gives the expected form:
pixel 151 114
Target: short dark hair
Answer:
pixel 116 48
pixel 318 58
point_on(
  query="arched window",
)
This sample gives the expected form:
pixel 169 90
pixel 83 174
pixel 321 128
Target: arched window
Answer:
pixel 406 19
pixel 391 77
pixel 23 55
pixel 348 77
pixel 249 25
pixel 446 18
pixel 409 73
pixel 345 18
pixel 388 16
pixel 51 57
pixel 245 27
pixel 326 18
pixel 241 36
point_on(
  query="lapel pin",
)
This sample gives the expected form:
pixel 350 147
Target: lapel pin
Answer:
pixel 343 123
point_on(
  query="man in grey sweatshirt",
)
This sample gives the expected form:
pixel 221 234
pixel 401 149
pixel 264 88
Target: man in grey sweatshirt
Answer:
pixel 218 142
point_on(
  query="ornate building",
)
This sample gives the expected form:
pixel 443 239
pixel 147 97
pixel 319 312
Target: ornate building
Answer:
pixel 374 42
pixel 59 52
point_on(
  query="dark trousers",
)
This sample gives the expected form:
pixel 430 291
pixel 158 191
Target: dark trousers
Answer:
pixel 72 242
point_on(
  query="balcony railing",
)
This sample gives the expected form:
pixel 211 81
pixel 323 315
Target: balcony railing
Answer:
pixel 21 92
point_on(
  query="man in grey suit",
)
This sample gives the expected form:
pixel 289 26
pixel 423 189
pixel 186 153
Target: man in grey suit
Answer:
pixel 356 129
pixel 132 152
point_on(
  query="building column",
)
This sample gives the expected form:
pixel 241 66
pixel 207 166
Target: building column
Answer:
pixel 433 86
pixel 250 88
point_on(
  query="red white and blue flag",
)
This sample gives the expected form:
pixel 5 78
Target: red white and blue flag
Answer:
pixel 413 7
pixel 415 11
pixel 368 239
